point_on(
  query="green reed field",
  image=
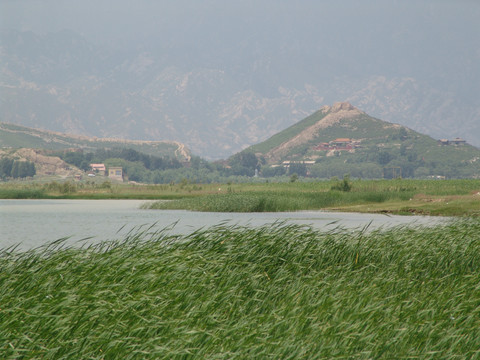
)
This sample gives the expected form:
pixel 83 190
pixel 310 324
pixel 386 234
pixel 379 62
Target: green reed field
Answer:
pixel 429 197
pixel 446 198
pixel 274 292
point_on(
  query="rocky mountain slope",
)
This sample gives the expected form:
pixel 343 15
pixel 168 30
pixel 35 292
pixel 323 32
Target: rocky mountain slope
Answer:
pixel 61 82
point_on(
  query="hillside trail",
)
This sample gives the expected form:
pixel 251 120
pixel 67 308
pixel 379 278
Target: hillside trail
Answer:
pixel 181 150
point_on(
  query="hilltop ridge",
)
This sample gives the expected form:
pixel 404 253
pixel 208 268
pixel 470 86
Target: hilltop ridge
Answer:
pixel 16 136
pixel 344 139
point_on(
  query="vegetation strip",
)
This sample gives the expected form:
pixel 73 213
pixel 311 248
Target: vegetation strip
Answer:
pixel 429 197
pixel 231 292
pixel 407 197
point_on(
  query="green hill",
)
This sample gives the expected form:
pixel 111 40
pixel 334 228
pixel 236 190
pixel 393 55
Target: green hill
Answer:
pixel 14 136
pixel 341 139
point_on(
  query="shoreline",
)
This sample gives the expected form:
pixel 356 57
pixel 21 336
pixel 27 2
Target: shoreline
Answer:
pixel 460 198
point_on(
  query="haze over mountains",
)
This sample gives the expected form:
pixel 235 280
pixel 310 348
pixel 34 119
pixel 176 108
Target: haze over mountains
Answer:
pixel 220 77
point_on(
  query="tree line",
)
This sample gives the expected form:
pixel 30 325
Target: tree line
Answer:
pixel 150 162
pixel 17 169
pixel 137 166
pixel 372 163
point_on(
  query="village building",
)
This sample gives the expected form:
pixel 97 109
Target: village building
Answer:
pixel 338 144
pixel 98 169
pixel 115 173
pixel 287 163
pixel 322 147
pixel 457 142
pixel 341 143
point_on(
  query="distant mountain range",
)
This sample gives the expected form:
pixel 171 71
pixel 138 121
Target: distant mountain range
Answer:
pixel 61 82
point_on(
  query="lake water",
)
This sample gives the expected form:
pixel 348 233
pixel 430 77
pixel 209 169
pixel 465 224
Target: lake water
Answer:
pixel 32 223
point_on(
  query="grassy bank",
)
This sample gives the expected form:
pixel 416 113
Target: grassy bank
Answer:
pixel 445 198
pixel 262 201
pixel 274 292
pixel 95 191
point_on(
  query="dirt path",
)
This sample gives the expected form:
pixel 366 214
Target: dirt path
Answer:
pixel 181 150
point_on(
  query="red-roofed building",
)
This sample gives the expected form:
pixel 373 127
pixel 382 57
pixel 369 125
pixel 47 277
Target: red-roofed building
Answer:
pixel 98 168
pixel 341 142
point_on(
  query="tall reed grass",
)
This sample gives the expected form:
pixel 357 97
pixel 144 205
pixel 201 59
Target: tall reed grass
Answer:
pixel 22 194
pixel 229 292
pixel 274 201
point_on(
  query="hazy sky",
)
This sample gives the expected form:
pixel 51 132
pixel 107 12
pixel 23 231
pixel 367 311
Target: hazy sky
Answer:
pixel 404 36
pixel 129 19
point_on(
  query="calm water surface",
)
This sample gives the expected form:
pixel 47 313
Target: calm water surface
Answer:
pixel 32 223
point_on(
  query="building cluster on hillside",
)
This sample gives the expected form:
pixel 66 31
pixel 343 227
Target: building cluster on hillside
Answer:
pixel 114 172
pixel 338 144
pixel 287 163
pixel 457 142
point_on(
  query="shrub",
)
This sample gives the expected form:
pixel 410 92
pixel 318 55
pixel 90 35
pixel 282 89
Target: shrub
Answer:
pixel 344 185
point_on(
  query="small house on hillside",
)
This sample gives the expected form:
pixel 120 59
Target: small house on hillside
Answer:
pixel 287 163
pixel 458 141
pixel 322 147
pixel 115 173
pixel 98 169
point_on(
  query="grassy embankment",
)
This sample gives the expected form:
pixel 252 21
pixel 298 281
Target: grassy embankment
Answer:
pixel 446 197
pixel 276 292
pixel 95 191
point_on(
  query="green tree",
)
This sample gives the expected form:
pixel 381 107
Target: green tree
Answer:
pixel 31 171
pixel 244 163
pixel 268 171
pixel 384 157
pixel 6 165
pixel 15 170
pixel 23 169
pixel 298 168
pixel 344 185
pixel 421 172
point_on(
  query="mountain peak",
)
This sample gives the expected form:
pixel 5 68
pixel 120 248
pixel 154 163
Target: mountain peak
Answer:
pixel 326 117
pixel 339 106
pixel 340 137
